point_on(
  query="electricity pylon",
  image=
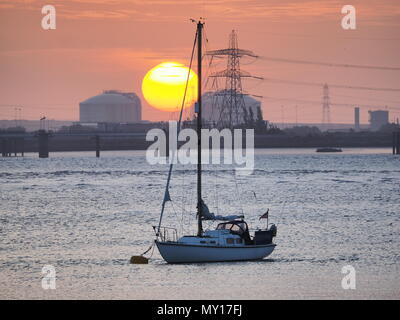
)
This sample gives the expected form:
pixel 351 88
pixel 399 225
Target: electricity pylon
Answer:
pixel 229 101
pixel 326 104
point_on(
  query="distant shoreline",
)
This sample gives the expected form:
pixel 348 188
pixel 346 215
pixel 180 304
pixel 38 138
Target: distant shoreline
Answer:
pixel 138 141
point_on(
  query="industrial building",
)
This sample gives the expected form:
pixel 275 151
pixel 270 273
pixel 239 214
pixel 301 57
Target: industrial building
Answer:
pixel 357 119
pixel 378 118
pixel 111 106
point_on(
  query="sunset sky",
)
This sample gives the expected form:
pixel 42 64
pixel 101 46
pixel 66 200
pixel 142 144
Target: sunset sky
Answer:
pixel 111 44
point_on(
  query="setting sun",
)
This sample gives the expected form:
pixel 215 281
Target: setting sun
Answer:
pixel 163 86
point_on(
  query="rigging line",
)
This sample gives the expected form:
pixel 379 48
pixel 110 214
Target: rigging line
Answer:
pixel 305 83
pixel 193 199
pixel 237 191
pixel 216 190
pixel 282 210
pixel 328 64
pixel 183 202
pixel 212 195
pixel 175 209
pixel 166 193
pixel 187 203
pixel 209 59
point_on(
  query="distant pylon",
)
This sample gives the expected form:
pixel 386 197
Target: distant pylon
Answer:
pixel 232 108
pixel 326 117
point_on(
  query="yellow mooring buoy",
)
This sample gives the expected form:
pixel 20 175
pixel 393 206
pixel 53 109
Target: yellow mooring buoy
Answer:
pixel 139 260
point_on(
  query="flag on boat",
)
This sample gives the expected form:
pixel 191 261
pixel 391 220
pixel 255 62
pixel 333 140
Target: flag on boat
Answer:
pixel 264 216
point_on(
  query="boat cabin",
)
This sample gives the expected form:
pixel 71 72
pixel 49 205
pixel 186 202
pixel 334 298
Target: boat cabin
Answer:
pixel 237 227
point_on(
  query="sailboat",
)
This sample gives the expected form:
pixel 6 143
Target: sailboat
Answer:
pixel 231 240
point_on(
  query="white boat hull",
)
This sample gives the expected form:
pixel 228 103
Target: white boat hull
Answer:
pixel 175 252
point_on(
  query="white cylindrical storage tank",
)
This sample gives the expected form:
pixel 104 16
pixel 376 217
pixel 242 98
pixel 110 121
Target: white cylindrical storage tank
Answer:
pixel 111 107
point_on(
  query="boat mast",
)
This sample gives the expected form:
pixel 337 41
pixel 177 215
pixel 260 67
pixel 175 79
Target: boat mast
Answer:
pixel 199 56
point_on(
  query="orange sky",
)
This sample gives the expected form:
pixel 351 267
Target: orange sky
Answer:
pixel 111 44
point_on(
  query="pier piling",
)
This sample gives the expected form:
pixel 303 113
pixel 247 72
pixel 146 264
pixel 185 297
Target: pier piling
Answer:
pixel 43 137
pixel 10 146
pixel 4 147
pixel 396 142
pixel 97 138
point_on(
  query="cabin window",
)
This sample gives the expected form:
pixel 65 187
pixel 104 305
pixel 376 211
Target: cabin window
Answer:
pixel 213 242
pixel 202 241
pixel 230 241
pixel 224 226
pixel 238 241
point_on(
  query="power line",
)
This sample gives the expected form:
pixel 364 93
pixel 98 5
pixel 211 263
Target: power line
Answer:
pixel 367 98
pixel 331 103
pixel 304 83
pixel 316 36
pixel 329 64
pixel 34 106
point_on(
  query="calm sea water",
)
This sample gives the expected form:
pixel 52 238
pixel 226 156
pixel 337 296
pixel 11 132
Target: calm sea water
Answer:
pixel 88 216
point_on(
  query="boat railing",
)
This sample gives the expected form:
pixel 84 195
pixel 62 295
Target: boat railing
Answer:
pixel 258 229
pixel 166 234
